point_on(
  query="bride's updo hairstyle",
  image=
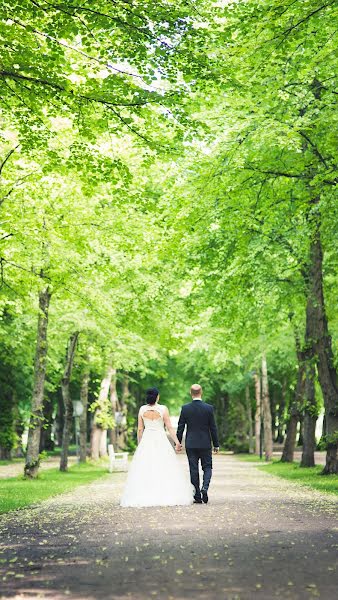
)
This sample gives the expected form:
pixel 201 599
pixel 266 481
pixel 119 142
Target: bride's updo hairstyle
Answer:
pixel 151 395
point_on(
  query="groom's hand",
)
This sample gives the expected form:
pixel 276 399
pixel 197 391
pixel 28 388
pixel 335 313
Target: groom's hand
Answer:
pixel 216 450
pixel 178 447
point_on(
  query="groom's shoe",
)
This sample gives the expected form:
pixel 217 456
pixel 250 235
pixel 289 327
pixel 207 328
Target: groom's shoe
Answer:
pixel 204 496
pixel 197 499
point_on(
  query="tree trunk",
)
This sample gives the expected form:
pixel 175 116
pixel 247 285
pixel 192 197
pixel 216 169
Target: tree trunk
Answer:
pixel 249 416
pixel 114 401
pixel 46 441
pixel 83 417
pixel 32 454
pixel 310 405
pixel 280 437
pixel 67 401
pixel 294 412
pixel 301 430
pixel 319 334
pixel 103 443
pixel 122 428
pixel 323 435
pixel 60 419
pixel 310 419
pixel 258 415
pixel 268 444
pixel 97 449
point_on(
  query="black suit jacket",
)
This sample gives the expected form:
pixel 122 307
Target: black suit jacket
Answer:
pixel 199 418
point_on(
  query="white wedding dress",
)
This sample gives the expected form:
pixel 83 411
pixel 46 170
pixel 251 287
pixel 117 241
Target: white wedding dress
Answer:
pixel 155 476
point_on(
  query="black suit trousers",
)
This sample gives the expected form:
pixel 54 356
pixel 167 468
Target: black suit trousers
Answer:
pixel 205 456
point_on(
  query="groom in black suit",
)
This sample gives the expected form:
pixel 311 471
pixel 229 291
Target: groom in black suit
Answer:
pixel 201 429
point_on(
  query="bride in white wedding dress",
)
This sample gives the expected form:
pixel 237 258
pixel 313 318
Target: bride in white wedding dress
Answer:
pixel 155 476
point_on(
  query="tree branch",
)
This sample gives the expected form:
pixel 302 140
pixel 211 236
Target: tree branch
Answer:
pixel 7 157
pixel 277 173
pixel 60 88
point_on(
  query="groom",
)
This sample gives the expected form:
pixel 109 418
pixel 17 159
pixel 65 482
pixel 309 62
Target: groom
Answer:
pixel 201 429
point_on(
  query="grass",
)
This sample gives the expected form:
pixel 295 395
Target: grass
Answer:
pixel 17 492
pixel 251 458
pixel 310 477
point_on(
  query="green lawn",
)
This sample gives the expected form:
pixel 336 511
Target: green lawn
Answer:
pixel 250 458
pixel 310 477
pixel 17 492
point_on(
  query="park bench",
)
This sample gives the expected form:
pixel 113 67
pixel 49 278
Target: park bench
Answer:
pixel 118 461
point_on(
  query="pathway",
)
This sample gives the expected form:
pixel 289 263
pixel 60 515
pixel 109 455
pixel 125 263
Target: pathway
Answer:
pixel 260 537
pixel 16 468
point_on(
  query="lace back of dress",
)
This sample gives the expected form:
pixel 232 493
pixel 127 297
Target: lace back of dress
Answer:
pixel 152 416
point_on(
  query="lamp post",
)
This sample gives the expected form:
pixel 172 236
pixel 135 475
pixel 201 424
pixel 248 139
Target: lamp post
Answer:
pixel 77 412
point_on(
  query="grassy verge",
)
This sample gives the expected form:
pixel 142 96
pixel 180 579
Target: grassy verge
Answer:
pixel 310 477
pixel 251 458
pixel 17 492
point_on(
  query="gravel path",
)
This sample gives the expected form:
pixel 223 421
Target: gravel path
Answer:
pixel 259 537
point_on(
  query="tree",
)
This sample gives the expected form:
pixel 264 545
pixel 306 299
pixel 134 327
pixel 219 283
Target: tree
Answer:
pixel 32 455
pixel 67 401
pixel 83 418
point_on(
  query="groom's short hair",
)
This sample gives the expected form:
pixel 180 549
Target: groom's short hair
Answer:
pixel 196 390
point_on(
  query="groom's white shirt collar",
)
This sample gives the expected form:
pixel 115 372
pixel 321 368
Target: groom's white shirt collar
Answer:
pixel 196 399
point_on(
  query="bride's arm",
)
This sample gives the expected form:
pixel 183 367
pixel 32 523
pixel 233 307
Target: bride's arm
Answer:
pixel 167 422
pixel 140 427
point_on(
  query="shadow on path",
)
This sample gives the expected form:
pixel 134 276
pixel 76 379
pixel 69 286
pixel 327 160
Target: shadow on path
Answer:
pixel 259 537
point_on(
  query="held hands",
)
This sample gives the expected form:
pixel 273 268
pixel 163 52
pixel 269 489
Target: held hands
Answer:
pixel 216 450
pixel 178 447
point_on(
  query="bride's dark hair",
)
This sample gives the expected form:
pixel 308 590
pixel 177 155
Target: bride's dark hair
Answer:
pixel 151 395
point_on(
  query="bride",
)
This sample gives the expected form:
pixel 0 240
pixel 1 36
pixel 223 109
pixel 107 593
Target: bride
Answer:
pixel 155 476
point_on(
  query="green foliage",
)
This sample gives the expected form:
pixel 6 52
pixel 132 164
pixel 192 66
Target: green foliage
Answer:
pixel 330 441
pixel 103 414
pixel 310 477
pixel 158 167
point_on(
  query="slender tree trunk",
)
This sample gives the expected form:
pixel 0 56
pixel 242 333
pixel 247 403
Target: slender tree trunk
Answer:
pixel 291 434
pixel 294 411
pixel 60 414
pixel 249 416
pixel 32 454
pixel 67 401
pixel 122 429
pixel 257 413
pixel 46 441
pixel 103 443
pixel 95 441
pixel 268 444
pixel 301 430
pixel 319 334
pixel 310 419
pixel 310 413
pixel 83 417
pixel 114 401
pixel 97 449
pixel 323 435
pixel 281 409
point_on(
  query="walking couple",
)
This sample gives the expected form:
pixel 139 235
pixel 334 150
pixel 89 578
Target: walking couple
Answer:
pixel 156 477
